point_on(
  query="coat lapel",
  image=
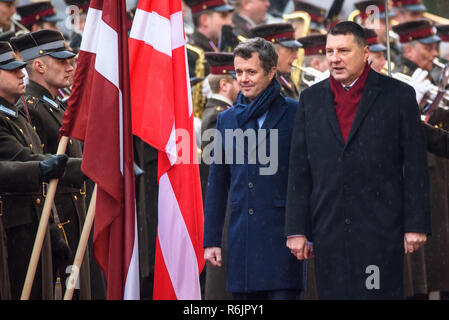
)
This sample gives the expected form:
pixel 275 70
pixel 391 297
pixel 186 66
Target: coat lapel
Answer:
pixel 331 114
pixel 275 114
pixel 370 93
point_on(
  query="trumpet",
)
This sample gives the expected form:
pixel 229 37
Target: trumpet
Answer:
pixel 316 74
pixel 22 29
pixel 432 93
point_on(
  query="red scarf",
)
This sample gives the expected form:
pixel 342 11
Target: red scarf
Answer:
pixel 346 102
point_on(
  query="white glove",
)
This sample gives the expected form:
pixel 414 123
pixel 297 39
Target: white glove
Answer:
pixel 420 83
pixel 206 91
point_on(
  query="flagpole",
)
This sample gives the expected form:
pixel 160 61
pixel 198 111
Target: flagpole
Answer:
pixel 387 26
pixel 84 239
pixel 41 231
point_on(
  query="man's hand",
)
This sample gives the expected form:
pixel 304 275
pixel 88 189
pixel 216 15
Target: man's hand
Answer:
pixel 213 255
pixel 413 241
pixel 300 247
pixel 53 167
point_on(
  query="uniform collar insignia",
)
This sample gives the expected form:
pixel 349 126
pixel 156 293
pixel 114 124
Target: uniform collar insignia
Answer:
pixel 50 101
pixel 8 111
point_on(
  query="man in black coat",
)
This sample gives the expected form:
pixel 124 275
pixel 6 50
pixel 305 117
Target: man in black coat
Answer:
pixel 358 181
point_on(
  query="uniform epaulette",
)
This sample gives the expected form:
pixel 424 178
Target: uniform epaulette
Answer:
pixel 30 101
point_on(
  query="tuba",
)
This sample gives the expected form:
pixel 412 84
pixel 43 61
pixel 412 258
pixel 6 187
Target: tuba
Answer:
pixel 306 19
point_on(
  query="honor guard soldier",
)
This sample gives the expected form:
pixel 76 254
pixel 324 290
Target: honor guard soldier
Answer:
pixel 317 15
pixel 282 36
pixel 7 10
pixel 248 14
pixel 420 45
pixel 408 10
pixel 209 16
pixel 78 26
pixel 314 58
pixel 377 50
pixel 443 33
pixel 224 89
pixel 375 19
pixel 20 207
pixel 49 69
pixel 38 16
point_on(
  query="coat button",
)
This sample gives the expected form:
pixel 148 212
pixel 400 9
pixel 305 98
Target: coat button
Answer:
pixel 38 201
pixel 251 211
pixel 348 221
pixel 250 185
pixel 345 187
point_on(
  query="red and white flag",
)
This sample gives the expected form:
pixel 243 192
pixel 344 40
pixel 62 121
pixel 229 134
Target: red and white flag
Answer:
pixel 162 116
pixel 99 113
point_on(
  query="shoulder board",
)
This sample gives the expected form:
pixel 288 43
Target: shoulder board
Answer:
pixel 49 102
pixel 7 111
pixel 29 100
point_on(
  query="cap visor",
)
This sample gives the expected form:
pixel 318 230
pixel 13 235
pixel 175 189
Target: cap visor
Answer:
pixel 224 8
pixel 378 47
pixel 62 54
pixel 391 14
pixel 13 65
pixel 291 44
pixel 430 40
pixel 52 19
pixel 416 7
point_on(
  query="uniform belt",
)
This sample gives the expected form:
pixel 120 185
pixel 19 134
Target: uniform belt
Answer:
pixel 64 189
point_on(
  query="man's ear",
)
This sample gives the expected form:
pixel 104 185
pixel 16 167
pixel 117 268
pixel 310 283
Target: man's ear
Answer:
pixel 38 66
pixel 366 52
pixel 272 72
pixel 222 84
pixel 203 19
pixel 408 48
pixel 315 63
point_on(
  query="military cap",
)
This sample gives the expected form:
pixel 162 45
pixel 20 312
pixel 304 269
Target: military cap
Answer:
pixel 37 12
pixel 420 30
pixel 280 33
pixel 8 59
pixel 411 5
pixel 443 32
pixel 83 5
pixel 7 0
pixel 314 44
pixel 220 63
pixel 40 43
pixel 363 5
pixel 372 40
pixel 198 6
pixel 317 14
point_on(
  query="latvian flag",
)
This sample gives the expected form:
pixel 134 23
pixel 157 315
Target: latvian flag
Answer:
pixel 99 113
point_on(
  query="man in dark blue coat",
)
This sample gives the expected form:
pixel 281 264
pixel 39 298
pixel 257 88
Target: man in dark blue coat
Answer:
pixel 358 181
pixel 250 164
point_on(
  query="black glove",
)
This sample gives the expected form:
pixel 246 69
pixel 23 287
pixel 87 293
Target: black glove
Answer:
pixel 53 167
